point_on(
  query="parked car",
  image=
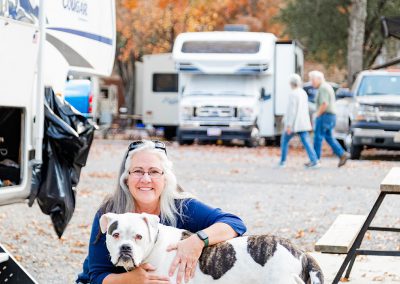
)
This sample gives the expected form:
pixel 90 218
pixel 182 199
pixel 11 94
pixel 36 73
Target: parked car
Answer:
pixel 369 117
pixel 78 94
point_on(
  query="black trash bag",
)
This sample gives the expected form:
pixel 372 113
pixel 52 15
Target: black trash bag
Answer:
pixel 66 144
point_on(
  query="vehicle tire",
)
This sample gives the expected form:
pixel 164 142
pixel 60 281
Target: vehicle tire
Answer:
pixel 355 151
pixel 342 143
pixel 169 132
pixel 182 141
pixel 254 140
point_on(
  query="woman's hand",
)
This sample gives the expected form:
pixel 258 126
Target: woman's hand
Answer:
pixel 140 275
pixel 187 255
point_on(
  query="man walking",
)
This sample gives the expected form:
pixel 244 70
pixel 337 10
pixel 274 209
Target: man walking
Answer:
pixel 325 117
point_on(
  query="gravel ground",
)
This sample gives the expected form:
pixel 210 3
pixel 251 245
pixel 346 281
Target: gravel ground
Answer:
pixel 292 202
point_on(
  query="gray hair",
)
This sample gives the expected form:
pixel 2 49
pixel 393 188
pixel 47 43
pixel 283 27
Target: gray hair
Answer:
pixel 122 201
pixel 316 74
pixel 295 80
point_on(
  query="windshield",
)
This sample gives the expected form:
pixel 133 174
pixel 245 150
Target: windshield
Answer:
pixel 379 85
pixel 221 85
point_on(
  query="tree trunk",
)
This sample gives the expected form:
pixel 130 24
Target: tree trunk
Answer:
pixel 126 70
pixel 355 40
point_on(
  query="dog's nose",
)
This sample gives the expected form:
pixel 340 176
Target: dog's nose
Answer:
pixel 125 248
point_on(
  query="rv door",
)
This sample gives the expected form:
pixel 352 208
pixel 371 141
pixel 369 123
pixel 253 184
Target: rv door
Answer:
pixel 78 38
pixel 18 61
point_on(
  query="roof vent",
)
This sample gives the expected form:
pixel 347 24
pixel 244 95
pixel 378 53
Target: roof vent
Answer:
pixel 236 28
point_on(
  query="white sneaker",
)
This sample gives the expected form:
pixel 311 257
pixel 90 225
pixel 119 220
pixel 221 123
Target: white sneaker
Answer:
pixel 311 165
pixel 282 165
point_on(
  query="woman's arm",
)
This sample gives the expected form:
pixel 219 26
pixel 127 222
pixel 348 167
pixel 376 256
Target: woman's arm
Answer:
pixel 189 250
pixel 218 225
pixel 139 275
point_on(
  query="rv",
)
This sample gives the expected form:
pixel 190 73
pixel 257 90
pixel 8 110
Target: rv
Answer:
pixel 41 43
pixel 233 85
pixel 157 92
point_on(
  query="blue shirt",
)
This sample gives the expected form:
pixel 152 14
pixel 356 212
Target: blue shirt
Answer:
pixel 196 216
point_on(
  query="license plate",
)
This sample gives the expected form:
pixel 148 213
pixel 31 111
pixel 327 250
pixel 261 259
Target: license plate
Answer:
pixel 213 132
pixel 397 137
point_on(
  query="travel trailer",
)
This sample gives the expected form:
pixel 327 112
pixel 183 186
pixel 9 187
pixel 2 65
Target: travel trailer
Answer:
pixel 157 92
pixel 233 85
pixel 41 43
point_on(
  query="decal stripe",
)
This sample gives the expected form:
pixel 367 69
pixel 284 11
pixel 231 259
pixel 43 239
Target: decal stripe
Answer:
pixel 85 34
pixel 71 56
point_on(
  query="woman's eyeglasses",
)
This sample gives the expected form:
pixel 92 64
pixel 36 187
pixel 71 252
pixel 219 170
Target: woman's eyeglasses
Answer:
pixel 153 174
pixel 157 144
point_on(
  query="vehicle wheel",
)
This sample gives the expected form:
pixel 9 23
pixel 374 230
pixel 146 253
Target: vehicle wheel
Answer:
pixel 184 141
pixel 254 139
pixel 355 151
pixel 169 132
pixel 342 143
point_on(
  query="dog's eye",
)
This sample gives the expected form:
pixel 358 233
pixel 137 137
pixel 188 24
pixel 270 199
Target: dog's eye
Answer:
pixel 115 235
pixel 138 237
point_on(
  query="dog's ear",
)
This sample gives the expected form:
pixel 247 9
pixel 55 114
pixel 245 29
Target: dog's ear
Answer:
pixel 152 222
pixel 105 220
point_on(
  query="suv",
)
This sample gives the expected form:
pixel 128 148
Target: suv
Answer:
pixel 370 117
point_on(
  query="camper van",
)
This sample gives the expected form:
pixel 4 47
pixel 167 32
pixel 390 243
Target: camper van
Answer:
pixel 233 85
pixel 41 43
pixel 157 92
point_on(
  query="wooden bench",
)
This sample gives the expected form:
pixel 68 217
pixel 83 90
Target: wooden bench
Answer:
pixel 389 185
pixel 341 234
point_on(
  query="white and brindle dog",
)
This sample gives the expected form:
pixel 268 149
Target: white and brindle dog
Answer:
pixel 133 239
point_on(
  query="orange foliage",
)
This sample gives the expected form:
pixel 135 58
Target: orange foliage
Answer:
pixel 150 26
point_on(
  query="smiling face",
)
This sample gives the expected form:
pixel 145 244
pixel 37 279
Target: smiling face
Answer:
pixel 146 190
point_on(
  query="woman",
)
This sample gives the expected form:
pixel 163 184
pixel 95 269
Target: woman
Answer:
pixel 297 121
pixel 147 184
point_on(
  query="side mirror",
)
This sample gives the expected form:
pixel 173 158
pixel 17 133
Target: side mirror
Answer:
pixel 342 93
pixel 263 95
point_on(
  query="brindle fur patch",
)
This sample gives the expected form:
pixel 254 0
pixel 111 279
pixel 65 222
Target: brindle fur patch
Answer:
pixel 310 265
pixel 289 246
pixel 185 235
pixel 112 227
pixel 216 260
pixel 261 248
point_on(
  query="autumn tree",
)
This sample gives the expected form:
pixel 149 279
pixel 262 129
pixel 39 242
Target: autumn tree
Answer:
pixel 151 26
pixel 323 27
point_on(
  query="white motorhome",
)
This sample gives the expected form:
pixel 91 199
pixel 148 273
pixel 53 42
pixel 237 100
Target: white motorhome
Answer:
pixel 157 92
pixel 77 36
pixel 233 85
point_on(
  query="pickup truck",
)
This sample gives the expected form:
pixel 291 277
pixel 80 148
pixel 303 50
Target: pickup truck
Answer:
pixel 369 117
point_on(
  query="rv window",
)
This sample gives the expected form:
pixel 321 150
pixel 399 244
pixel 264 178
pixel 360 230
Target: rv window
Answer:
pixel 165 83
pixel 21 11
pixel 221 47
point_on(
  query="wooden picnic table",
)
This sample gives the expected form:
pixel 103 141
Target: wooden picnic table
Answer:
pixel 389 185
